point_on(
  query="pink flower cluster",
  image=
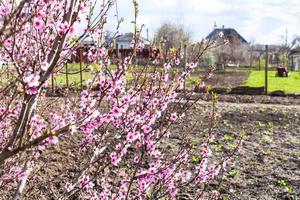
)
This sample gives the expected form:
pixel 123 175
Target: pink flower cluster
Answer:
pixel 32 83
pixel 122 128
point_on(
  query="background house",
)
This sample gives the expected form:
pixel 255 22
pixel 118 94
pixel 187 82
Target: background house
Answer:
pixel 121 46
pixel 232 49
pixel 277 55
pixel 124 41
pixel 295 54
pixel 228 33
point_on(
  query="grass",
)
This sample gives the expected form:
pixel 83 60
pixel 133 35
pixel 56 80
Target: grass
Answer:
pixel 76 66
pixel 289 85
pixel 74 79
pixel 192 81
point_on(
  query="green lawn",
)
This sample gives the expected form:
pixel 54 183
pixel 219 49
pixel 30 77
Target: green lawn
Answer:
pixel 74 79
pixel 290 84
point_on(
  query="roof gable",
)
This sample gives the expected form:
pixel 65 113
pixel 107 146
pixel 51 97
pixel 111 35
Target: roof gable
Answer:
pixel 227 32
pixel 128 37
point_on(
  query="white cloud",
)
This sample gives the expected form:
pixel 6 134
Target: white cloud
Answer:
pixel 262 20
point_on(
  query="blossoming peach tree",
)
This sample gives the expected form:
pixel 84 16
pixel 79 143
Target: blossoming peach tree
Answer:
pixel 120 127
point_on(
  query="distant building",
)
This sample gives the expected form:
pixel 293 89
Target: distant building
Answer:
pixel 295 54
pixel 121 46
pixel 124 41
pixel 228 33
pixel 259 49
pixel 118 47
pixel 232 49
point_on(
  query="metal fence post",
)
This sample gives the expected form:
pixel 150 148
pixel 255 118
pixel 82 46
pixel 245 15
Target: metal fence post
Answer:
pixel 67 76
pixel 266 70
pixel 52 82
pixel 259 65
pixel 184 64
pixel 7 72
pixel 80 68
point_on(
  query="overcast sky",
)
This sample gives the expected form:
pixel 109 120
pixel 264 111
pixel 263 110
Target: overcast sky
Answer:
pixel 262 21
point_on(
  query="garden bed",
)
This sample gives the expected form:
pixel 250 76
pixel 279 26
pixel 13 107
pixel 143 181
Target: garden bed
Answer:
pixel 266 167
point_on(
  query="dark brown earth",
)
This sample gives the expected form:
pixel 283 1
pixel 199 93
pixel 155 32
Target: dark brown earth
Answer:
pixel 226 79
pixel 253 99
pixel 269 153
pixel 267 166
pixel 268 156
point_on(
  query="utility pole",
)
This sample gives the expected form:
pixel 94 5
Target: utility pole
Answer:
pixel 286 37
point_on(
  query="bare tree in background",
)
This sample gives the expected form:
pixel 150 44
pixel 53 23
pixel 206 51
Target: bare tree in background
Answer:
pixel 233 51
pixel 173 35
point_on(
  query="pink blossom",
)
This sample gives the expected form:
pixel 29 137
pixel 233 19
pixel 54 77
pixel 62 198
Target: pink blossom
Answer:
pixel 202 85
pixel 31 90
pixel 141 46
pixel 167 66
pixel 173 117
pixel 130 137
pixel 165 77
pixel 40 15
pixel 69 186
pixel 155 101
pixel 91 56
pixel 136 159
pixel 41 4
pixel 127 60
pixel 146 129
pixel 44 66
pixel 116 123
pixel 114 159
pixel 83 7
pixel 7 42
pixel 2 110
pixel 32 80
pixel 186 176
pixel 118 147
pixel 63 28
pixel 85 182
pixel 126 99
pixel 116 112
pixel 108 118
pixel 4 10
pixel 38 24
pixel 177 61
pixel 71 30
pixel 191 65
pixel 53 139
